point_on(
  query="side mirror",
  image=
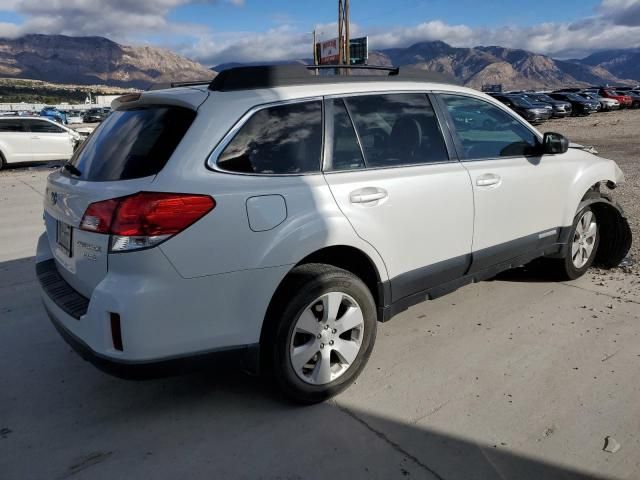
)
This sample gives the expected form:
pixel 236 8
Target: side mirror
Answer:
pixel 554 143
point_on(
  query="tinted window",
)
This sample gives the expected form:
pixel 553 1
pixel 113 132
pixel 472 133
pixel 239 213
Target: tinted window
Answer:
pixel 12 126
pixel 399 129
pixel 346 150
pixel 284 139
pixel 487 131
pixel 132 143
pixel 38 126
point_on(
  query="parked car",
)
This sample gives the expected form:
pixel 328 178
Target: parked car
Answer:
pixel 54 114
pixel 579 105
pixel 606 104
pixel 74 117
pixel 94 115
pixel 635 98
pixel 624 100
pixel 28 139
pixel 560 108
pixel 301 218
pixel 534 112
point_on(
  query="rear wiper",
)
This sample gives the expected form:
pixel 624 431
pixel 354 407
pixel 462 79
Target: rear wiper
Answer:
pixel 71 168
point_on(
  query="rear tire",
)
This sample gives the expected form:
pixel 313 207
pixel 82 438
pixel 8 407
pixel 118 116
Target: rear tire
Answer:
pixel 584 239
pixel 321 332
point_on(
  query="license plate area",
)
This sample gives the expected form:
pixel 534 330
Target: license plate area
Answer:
pixel 64 238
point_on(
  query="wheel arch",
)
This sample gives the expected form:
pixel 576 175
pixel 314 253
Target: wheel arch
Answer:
pixel 615 233
pixel 346 257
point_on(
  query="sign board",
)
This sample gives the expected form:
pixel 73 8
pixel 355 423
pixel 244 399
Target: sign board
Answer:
pixel 359 50
pixel 329 52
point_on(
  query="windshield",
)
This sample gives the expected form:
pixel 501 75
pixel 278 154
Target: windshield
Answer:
pixel 521 101
pixel 132 143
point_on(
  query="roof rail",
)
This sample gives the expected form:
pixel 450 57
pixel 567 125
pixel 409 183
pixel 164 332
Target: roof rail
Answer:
pixel 165 85
pixel 271 76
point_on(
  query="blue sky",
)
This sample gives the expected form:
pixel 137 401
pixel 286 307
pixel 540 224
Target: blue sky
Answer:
pixel 217 31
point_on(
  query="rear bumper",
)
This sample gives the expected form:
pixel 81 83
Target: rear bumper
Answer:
pixel 245 357
pixel 166 324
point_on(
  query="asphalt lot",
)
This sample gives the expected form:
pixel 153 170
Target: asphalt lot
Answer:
pixel 515 378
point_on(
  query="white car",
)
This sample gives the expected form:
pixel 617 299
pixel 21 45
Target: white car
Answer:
pixel 74 117
pixel 274 217
pixel 31 139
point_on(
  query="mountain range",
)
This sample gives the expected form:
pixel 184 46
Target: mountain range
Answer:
pixel 515 69
pixel 97 60
pixel 94 60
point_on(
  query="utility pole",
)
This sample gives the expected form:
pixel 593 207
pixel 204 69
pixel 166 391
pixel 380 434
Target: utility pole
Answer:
pixel 344 53
pixel 315 50
pixel 340 36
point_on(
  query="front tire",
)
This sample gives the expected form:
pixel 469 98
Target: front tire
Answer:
pixel 322 334
pixel 584 239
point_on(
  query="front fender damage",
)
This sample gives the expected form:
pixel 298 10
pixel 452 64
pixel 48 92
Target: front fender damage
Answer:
pixel 615 232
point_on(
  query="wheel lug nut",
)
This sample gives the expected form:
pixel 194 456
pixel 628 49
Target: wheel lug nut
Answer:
pixel 319 336
pixel 326 327
pixel 322 345
pixel 334 331
pixel 330 342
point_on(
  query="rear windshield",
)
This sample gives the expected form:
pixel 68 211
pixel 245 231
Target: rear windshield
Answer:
pixel 132 143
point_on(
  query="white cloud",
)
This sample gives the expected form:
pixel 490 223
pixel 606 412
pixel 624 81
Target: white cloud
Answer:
pixel 616 25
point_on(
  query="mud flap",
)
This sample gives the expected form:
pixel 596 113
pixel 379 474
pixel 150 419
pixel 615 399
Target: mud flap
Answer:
pixel 615 232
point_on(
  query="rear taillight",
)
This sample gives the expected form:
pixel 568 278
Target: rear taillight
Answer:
pixel 145 219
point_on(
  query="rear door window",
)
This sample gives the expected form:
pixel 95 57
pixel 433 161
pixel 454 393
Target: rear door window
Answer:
pixel 12 125
pixel 282 140
pixel 397 129
pixel 346 149
pixel 132 143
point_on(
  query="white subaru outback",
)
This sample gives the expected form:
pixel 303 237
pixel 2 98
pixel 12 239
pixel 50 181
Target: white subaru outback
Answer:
pixel 274 216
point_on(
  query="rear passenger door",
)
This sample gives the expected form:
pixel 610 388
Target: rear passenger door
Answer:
pixel 393 178
pixel 519 193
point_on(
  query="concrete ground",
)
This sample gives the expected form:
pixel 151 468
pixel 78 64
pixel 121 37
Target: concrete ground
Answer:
pixel 516 378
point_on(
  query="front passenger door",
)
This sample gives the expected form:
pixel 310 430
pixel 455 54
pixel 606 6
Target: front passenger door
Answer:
pixel 49 141
pixel 519 193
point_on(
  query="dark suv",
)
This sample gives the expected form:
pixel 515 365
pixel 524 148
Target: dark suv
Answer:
pixel 579 105
pixel 560 108
pixel 534 112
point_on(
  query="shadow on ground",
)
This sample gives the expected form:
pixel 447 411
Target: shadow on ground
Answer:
pixel 61 417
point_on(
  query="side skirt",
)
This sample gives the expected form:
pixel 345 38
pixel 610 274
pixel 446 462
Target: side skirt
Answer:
pixel 386 313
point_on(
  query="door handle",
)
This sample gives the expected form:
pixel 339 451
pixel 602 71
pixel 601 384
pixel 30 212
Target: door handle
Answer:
pixel 488 179
pixel 367 195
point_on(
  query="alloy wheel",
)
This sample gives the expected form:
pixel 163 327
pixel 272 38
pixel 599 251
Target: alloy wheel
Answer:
pixel 584 239
pixel 327 338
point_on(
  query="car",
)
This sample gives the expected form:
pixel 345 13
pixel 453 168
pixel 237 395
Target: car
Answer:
pixel 29 139
pixel 74 117
pixel 625 100
pixel 606 104
pixel 94 115
pixel 560 109
pixel 579 105
pixel 534 112
pixel 54 114
pixel 273 217
pixel 635 98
